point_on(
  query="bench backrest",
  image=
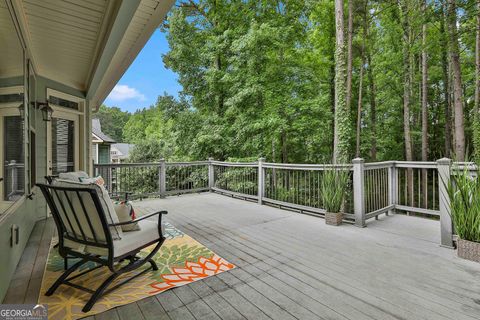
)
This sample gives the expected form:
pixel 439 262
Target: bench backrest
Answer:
pixel 78 214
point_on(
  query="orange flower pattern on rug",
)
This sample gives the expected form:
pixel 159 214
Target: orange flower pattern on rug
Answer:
pixel 180 260
pixel 193 271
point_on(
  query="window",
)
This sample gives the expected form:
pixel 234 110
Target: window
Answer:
pixel 63 156
pixel 103 153
pixel 13 155
pixel 12 97
pixel 63 103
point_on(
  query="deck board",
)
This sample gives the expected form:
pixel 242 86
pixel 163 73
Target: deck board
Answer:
pixel 292 266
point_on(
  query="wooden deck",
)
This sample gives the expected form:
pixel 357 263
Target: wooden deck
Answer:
pixel 293 266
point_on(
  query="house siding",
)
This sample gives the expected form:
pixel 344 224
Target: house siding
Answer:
pixel 27 211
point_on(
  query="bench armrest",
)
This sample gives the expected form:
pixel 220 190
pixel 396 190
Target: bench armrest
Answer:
pixel 160 213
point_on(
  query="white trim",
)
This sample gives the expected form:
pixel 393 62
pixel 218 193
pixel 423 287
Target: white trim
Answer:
pixel 12 208
pixel 65 96
pixel 77 116
pixel 69 97
pixel 97 138
pixel 57 109
pixel 76 120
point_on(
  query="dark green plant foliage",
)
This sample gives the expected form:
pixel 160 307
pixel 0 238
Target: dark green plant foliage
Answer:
pixel 464 193
pixel 334 187
pixel 112 120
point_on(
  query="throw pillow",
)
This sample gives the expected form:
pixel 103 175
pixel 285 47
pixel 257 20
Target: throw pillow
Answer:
pixel 125 212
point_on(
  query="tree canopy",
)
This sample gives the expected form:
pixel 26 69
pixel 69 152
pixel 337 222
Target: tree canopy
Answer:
pixel 260 78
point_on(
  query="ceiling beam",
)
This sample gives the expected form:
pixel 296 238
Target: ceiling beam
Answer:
pixel 155 20
pixel 122 20
pixel 19 20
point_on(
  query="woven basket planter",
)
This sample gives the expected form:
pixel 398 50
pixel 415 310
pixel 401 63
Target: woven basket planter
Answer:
pixel 334 219
pixel 468 250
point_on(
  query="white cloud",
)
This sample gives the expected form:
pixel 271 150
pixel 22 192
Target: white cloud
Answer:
pixel 122 92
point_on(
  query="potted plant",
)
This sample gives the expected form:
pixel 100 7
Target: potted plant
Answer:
pixel 334 186
pixel 464 193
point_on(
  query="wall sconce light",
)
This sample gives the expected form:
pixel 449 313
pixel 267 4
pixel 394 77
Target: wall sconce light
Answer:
pixel 46 110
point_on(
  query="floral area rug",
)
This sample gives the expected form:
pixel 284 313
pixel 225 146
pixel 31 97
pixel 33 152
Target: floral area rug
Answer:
pixel 181 260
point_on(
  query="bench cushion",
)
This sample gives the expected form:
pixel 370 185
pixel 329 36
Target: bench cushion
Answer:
pixel 106 203
pixel 129 242
pixel 73 176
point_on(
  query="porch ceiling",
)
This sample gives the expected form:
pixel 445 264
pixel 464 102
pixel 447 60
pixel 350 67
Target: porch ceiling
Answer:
pixel 65 37
pixel 87 44
pixel 10 49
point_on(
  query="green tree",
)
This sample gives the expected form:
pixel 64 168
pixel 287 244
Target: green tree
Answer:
pixel 113 119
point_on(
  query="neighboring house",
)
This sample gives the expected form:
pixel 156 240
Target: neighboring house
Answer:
pixel 120 152
pixel 101 144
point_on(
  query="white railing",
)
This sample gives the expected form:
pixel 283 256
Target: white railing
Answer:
pixel 14 180
pixel 375 188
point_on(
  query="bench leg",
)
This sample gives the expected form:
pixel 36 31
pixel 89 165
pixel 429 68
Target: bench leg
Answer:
pixel 64 276
pixel 98 293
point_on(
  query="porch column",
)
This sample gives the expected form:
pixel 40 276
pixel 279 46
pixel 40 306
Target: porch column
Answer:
pixel 162 171
pixel 261 180
pixel 359 192
pixel 211 174
pixel 392 187
pixel 446 228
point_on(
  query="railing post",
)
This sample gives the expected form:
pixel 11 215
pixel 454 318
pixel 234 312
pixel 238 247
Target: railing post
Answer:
pixel 359 191
pixel 211 175
pixel 261 182
pixel 392 187
pixel 14 176
pixel 162 178
pixel 446 229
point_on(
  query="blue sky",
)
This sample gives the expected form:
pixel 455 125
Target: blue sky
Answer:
pixel 146 79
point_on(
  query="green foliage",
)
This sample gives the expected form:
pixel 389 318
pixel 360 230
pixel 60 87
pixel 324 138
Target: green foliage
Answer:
pixel 334 186
pixel 113 120
pixel 258 79
pixel 175 255
pixel 464 193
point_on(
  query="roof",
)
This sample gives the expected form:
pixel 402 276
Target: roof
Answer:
pixel 123 149
pixel 97 131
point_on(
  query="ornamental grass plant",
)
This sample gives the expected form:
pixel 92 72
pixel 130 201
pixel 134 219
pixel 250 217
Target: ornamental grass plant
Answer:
pixel 334 186
pixel 464 193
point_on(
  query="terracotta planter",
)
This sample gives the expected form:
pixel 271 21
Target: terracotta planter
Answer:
pixel 334 219
pixel 468 250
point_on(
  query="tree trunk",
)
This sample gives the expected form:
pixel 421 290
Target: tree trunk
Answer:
pixel 407 91
pixel 476 119
pixel 349 54
pixel 373 109
pixel 342 123
pixel 360 82
pixel 359 109
pixel 218 65
pixel 424 105
pixel 457 82
pixel 446 86
pixel 332 106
